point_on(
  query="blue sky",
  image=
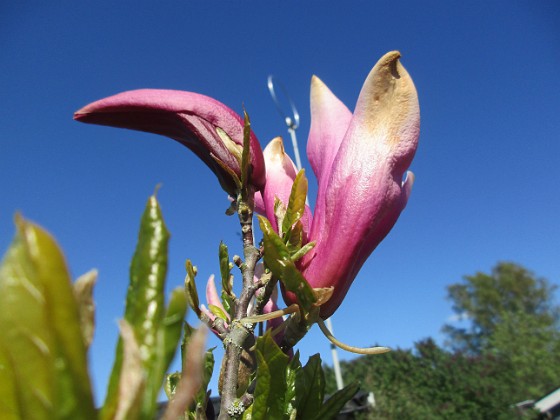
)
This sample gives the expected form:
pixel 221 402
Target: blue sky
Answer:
pixel 486 167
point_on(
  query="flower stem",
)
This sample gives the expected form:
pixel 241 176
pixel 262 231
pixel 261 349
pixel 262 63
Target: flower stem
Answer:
pixel 240 335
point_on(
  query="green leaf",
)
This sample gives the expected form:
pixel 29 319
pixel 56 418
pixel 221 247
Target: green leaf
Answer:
pixel 216 310
pixel 277 259
pixel 228 303
pixel 294 282
pixel 291 375
pixel 43 363
pixel 169 335
pixel 294 238
pixel 201 398
pixel 190 287
pixel 302 251
pixel 170 384
pixel 296 203
pixel 336 402
pixel 310 388
pixel 269 392
pixel 225 269
pixel 275 251
pixel 146 290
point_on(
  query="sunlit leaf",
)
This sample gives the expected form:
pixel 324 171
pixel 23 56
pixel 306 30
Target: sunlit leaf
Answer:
pixel 294 282
pixel 271 369
pixel 296 203
pixel 43 365
pixel 225 269
pixel 190 287
pixel 216 310
pixel 144 309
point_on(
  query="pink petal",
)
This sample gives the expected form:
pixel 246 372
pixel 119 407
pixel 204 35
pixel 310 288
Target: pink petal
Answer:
pixel 192 119
pixel 365 195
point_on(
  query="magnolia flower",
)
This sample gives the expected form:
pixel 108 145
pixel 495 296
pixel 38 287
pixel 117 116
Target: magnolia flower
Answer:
pixel 209 128
pixel 360 160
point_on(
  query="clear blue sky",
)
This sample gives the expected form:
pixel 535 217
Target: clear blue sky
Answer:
pixel 486 167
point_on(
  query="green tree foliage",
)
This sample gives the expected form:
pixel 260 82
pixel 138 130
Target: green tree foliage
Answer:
pixel 510 292
pixel 509 352
pixel 431 383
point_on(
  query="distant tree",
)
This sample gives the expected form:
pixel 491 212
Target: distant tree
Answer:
pixel 495 302
pixel 510 352
pixel 431 383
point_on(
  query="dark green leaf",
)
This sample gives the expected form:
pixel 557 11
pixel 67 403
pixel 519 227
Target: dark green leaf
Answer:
pixel 262 390
pixel 43 364
pixel 310 388
pixel 270 392
pixel 335 403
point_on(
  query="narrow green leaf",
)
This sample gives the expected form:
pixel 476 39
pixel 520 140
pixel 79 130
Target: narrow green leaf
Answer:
pixel 310 388
pixel 291 375
pixel 296 204
pixel 43 364
pixel 336 402
pixel 169 336
pixel 302 251
pixel 228 303
pixel 225 269
pixel 190 287
pixel 146 290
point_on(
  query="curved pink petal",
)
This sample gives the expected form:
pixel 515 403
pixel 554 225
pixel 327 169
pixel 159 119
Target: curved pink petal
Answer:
pixel 206 126
pixel 365 193
pixel 330 119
